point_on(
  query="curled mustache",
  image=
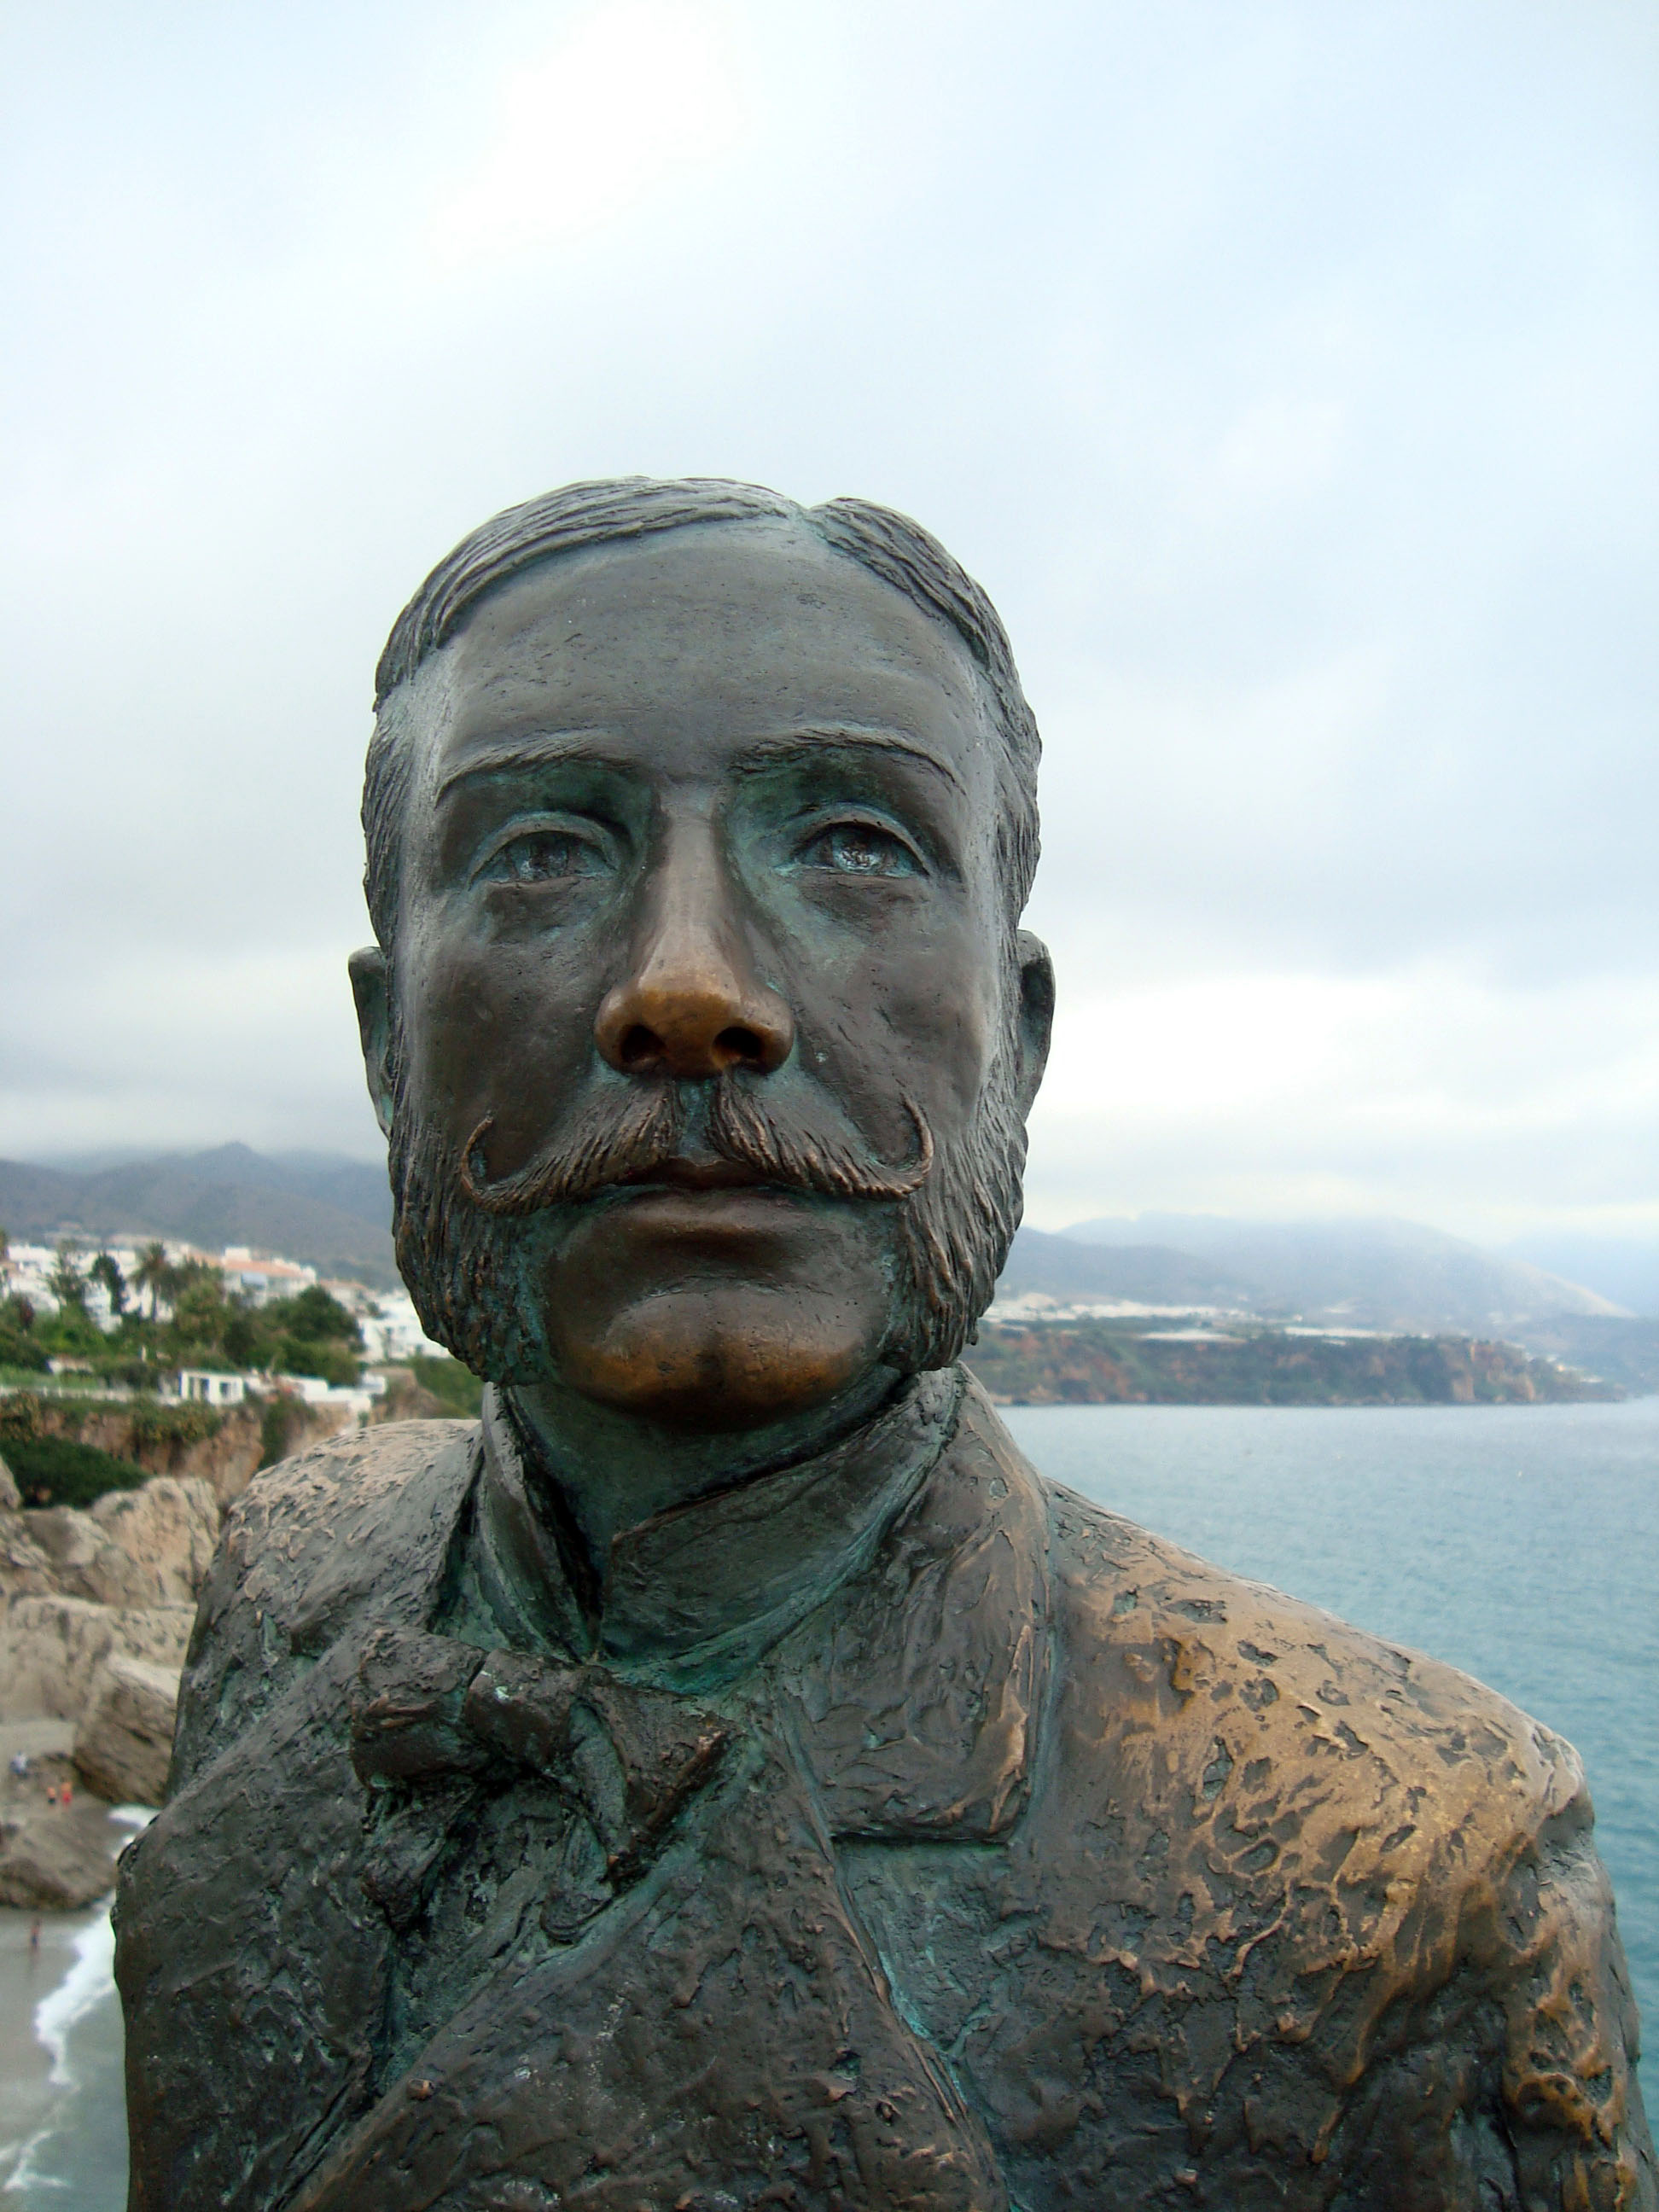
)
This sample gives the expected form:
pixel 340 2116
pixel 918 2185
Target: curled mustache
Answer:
pixel 607 1144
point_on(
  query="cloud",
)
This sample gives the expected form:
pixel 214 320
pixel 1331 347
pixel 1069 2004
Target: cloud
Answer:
pixel 1284 371
pixel 1426 1091
pixel 595 128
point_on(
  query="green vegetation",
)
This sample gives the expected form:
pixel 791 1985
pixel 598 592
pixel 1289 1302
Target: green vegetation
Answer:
pixel 59 1471
pixel 1094 1364
pixel 23 1414
pixel 41 1445
pixel 19 1346
pixel 310 1334
pixel 171 1424
pixel 279 1421
pixel 457 1389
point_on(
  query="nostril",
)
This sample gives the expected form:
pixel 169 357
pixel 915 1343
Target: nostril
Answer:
pixel 639 1047
pixel 738 1047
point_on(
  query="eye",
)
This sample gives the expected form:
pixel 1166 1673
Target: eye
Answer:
pixel 542 856
pixel 859 848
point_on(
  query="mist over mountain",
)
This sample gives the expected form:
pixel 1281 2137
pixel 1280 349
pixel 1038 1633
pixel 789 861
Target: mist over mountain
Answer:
pixel 1369 1274
pixel 335 1212
pixel 1141 1273
pixel 1623 1268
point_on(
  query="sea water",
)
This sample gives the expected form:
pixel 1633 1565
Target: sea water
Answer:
pixel 1519 1542
pixel 63 2122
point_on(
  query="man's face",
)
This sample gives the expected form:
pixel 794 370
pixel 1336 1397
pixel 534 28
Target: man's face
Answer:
pixel 700 837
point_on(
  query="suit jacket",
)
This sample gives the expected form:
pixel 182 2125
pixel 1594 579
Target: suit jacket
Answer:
pixel 908 1833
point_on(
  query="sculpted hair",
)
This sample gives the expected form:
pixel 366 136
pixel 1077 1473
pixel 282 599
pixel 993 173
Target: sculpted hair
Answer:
pixel 613 509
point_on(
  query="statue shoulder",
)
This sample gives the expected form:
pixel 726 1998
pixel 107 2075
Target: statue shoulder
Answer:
pixel 1399 1864
pixel 1229 1670
pixel 355 1523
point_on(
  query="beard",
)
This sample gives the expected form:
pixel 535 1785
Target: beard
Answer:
pixel 474 1251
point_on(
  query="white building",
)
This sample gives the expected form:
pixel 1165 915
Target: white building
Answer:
pixel 205 1388
pixel 261 1277
pixel 392 1331
pixel 27 1269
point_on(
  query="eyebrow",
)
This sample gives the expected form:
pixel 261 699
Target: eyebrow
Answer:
pixel 764 750
pixel 545 749
pixel 551 748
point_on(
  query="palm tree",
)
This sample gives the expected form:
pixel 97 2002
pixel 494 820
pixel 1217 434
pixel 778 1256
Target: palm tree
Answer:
pixel 153 1274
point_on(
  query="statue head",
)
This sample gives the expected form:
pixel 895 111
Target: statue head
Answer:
pixel 701 1022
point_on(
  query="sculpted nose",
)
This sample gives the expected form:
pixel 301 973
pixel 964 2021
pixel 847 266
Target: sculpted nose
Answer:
pixel 692 1006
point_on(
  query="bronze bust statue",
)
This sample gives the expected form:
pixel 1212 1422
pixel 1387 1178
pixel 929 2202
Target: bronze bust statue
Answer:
pixel 729 1777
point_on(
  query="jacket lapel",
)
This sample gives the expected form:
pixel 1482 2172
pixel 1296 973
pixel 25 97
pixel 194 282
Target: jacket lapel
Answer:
pixel 253 1967
pixel 721 2036
pixel 918 1696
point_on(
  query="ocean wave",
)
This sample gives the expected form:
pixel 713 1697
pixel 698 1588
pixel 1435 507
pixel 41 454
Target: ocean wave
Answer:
pixel 86 1986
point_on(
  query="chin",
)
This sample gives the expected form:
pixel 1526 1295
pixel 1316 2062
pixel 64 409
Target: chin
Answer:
pixel 696 1359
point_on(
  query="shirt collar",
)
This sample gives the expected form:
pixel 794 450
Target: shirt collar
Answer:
pixel 697 1594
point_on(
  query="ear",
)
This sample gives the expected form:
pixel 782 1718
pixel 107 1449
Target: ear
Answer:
pixel 367 970
pixel 1035 1021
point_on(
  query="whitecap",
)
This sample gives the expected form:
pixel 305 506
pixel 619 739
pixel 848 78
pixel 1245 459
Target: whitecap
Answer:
pixel 86 1986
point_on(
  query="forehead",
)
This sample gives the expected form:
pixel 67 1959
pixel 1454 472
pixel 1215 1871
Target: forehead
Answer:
pixel 704 639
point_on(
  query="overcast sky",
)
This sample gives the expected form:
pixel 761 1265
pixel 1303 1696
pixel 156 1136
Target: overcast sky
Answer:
pixel 1286 373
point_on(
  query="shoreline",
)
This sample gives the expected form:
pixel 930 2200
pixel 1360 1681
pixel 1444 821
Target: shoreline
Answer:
pixel 63 2111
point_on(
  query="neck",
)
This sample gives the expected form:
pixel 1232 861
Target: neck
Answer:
pixel 614 1470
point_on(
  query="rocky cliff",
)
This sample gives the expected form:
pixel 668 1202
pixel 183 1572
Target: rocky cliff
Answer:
pixel 222 1448
pixel 1093 1363
pixel 96 1613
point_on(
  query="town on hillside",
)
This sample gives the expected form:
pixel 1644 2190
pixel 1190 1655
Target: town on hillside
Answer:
pixel 166 1321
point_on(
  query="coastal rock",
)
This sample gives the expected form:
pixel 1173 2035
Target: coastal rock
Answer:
pixel 165 1440
pixel 156 1543
pixel 124 1745
pixel 52 1649
pixel 52 1859
pixel 69 1539
pixel 135 1547
pixel 1092 1363
pixel 25 1569
pixel 10 1497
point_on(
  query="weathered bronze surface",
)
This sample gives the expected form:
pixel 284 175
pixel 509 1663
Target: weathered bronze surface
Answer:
pixel 730 1777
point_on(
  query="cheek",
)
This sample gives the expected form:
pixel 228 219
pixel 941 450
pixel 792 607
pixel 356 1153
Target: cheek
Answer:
pixel 920 1023
pixel 490 1029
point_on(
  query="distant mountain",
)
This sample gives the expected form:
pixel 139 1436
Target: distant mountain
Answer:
pixel 335 1212
pixel 355 1187
pixel 1138 1274
pixel 1623 1268
pixel 1397 1276
pixel 1625 1352
pixel 325 1209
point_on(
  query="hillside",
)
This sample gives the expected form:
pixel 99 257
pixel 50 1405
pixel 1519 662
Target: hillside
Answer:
pixel 1092 1364
pixel 333 1212
pixel 1624 1352
pixel 1145 1274
pixel 1623 1268
pixel 1380 1274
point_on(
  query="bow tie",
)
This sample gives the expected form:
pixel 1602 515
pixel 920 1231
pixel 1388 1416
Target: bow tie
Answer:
pixel 733 2042
pixel 435 1723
